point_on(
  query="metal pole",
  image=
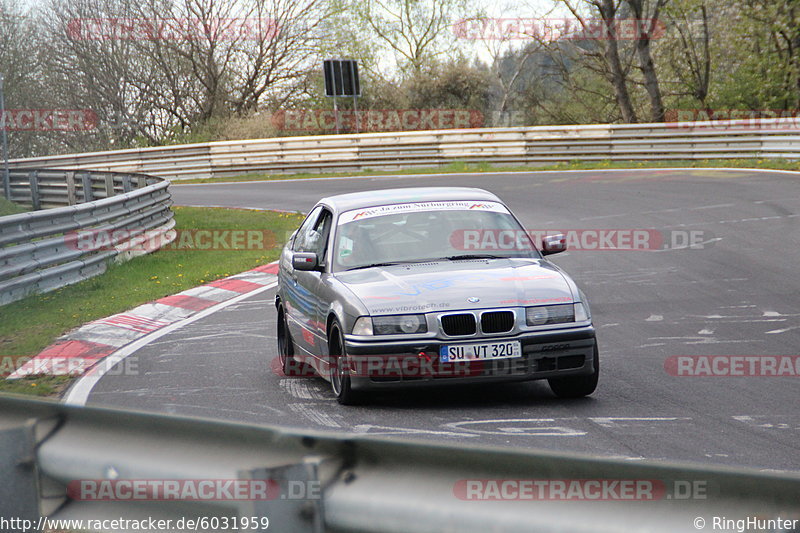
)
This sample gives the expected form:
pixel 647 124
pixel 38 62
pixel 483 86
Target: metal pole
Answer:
pixel 336 113
pixel 355 109
pixel 355 95
pixel 6 182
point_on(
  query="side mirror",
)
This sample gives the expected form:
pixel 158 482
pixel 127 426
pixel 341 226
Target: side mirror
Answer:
pixel 553 244
pixel 304 261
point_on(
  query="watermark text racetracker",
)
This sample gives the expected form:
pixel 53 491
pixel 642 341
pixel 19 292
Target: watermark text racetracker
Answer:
pixel 48 120
pixel 215 490
pixel 726 120
pixel 634 490
pixel 552 29
pixel 172 29
pixel 373 120
pixel 65 365
pixel 139 239
pixel 501 358
pixel 733 365
pixel 615 239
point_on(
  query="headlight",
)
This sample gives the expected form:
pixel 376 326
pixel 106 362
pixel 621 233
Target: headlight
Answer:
pixel 549 314
pixel 363 326
pixel 399 324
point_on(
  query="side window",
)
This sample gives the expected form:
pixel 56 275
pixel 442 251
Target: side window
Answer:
pixel 303 234
pixel 323 229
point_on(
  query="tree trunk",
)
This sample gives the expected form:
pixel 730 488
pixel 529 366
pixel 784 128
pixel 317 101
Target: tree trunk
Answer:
pixel 618 76
pixel 646 64
pixel 650 79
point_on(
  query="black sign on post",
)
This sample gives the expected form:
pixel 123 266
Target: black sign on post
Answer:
pixel 341 79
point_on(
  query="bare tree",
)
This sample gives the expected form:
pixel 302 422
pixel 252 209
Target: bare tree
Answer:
pixel 22 70
pixel 15 56
pixel 688 49
pixel 417 33
pixel 511 51
pixel 159 69
pixel 612 65
pixel 91 65
pixel 238 51
pixel 646 19
pixel 282 61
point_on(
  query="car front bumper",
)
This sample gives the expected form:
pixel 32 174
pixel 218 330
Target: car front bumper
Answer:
pixel 545 354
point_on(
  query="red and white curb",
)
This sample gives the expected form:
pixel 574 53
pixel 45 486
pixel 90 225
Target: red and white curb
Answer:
pixel 109 340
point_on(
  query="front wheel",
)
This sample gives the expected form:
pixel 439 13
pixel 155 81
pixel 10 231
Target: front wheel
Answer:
pixel 339 372
pixel 577 386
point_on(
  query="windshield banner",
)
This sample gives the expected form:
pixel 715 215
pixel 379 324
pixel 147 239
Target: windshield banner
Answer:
pixel 416 207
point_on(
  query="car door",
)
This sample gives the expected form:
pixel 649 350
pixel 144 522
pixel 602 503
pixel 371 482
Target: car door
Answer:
pixel 308 285
pixel 298 305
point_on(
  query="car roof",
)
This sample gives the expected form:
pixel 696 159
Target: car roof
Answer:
pixel 360 200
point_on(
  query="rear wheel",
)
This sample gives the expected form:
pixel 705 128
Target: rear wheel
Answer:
pixel 339 369
pixel 577 386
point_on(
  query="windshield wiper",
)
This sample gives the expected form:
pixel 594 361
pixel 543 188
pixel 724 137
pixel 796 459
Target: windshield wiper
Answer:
pixel 409 262
pixel 386 263
pixel 392 263
pixel 474 256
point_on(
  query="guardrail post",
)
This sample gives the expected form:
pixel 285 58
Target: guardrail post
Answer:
pixel 109 185
pixel 141 182
pixel 86 180
pixel 301 506
pixel 71 188
pixel 33 179
pixel 127 185
pixel 19 492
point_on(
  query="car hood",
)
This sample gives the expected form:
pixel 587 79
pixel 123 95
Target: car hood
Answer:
pixel 443 286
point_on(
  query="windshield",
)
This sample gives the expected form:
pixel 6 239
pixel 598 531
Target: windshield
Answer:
pixel 404 233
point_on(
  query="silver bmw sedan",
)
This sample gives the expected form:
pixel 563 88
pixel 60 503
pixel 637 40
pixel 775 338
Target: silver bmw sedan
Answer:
pixel 429 286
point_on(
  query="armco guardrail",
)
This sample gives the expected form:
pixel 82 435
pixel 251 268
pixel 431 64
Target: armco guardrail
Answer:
pixel 54 459
pixel 771 138
pixel 41 251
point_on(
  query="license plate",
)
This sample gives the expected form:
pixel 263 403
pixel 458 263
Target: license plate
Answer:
pixel 479 351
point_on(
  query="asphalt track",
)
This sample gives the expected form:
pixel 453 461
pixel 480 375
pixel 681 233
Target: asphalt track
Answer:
pixel 736 294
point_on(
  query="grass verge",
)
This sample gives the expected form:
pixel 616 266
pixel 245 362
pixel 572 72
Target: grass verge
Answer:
pixel 30 325
pixel 10 208
pixel 454 168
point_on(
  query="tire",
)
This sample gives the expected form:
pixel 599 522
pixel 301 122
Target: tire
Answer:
pixel 577 386
pixel 289 364
pixel 339 374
